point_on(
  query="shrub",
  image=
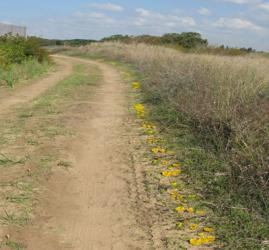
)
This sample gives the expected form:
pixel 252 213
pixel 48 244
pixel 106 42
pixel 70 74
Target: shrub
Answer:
pixel 18 49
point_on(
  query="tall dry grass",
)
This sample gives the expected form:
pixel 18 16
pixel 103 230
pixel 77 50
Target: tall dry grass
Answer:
pixel 223 100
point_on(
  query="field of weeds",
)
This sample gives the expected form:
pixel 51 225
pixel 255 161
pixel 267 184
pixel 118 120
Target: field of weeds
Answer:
pixel 21 59
pixel 214 109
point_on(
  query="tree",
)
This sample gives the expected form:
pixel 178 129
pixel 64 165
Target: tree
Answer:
pixel 186 39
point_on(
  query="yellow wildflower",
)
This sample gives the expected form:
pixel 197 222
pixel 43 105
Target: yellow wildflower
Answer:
pixel 148 126
pixel 196 241
pixel 208 229
pixel 151 140
pixel 202 240
pixel 136 85
pixel 140 109
pixel 180 209
pixel 157 150
pixel 174 173
pixel 190 210
pixel 193 227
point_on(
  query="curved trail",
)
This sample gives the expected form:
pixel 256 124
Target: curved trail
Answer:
pixel 28 93
pixel 90 207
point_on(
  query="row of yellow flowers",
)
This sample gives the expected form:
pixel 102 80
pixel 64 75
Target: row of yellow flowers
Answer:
pixel 162 157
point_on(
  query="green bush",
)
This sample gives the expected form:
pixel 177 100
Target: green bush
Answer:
pixel 18 49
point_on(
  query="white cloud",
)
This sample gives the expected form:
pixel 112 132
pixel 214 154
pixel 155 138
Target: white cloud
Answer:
pixel 204 11
pixel 107 6
pixel 236 23
pixel 264 6
pixel 150 18
pixel 94 17
pixel 149 14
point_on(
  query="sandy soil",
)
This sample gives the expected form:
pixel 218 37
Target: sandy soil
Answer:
pixel 93 205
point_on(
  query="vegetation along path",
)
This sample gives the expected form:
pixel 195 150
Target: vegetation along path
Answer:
pixel 75 173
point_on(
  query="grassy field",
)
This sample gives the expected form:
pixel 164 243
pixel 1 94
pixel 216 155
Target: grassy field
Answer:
pixel 214 111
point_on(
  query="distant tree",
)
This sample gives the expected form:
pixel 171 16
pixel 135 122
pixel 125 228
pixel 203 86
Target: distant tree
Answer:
pixel 115 38
pixel 186 39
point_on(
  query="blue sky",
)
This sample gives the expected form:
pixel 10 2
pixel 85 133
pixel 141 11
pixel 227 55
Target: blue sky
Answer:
pixel 230 22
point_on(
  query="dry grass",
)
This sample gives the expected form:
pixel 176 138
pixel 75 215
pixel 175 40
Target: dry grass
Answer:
pixel 224 101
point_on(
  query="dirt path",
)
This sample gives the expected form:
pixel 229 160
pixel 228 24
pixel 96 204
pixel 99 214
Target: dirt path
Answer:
pixel 28 93
pixel 90 206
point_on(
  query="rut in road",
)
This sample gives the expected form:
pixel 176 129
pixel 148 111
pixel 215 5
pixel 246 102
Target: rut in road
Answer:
pixel 90 207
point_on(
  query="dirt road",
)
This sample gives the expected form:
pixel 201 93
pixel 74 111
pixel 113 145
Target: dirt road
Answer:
pixel 91 206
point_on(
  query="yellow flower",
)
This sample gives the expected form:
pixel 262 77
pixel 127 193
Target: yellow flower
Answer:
pixel 157 150
pixel 180 209
pixel 140 110
pixel 208 229
pixel 136 85
pixel 174 173
pixel 202 240
pixel 190 210
pixel 196 241
pixel 151 140
pixel 209 239
pixel 146 125
pixel 193 227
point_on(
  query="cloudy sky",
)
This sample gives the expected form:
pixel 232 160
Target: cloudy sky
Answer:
pixel 230 22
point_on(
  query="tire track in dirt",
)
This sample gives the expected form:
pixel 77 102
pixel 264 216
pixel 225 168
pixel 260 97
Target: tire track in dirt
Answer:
pixel 90 207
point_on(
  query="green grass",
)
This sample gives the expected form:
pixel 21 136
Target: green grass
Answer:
pixel 27 70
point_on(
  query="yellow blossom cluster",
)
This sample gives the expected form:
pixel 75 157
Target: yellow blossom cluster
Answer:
pixel 158 150
pixel 165 159
pixel 173 173
pixel 151 140
pixel 140 110
pixel 202 240
pixel 149 128
pixel 136 85
pixel 183 209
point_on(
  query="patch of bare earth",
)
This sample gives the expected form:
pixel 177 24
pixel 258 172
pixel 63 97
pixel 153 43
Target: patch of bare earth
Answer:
pixel 86 187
